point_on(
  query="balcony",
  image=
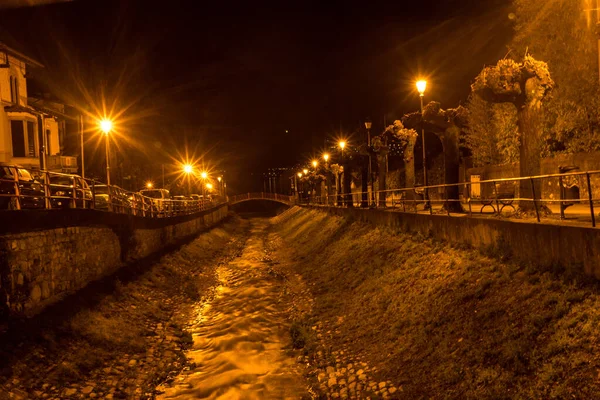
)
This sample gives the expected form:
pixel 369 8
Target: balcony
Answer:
pixel 66 164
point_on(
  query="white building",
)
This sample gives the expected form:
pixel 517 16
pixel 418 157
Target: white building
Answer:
pixel 29 129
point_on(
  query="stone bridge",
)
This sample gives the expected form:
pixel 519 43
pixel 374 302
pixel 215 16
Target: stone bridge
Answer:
pixel 279 198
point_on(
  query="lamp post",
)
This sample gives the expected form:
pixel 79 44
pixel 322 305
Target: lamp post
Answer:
pixel 149 185
pixel 220 185
pixel 106 127
pixel 299 175
pixel 188 169
pixel 421 86
pixel 368 125
pixel 204 175
pixel 328 179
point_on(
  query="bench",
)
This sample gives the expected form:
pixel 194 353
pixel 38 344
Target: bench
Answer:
pixel 503 196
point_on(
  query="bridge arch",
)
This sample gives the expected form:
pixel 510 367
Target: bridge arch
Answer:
pixel 276 197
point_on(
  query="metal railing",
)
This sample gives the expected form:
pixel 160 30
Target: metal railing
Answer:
pixel 23 189
pixel 260 196
pixel 567 196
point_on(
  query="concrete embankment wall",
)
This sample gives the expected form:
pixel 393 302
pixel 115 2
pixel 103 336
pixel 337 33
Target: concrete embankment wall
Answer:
pixel 540 244
pixel 47 254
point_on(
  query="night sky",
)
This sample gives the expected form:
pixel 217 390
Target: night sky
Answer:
pixel 230 79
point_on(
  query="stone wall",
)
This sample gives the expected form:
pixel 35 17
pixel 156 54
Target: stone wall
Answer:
pixel 539 244
pixel 47 254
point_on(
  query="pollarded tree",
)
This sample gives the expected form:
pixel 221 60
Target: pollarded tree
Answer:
pixel 406 138
pixel 526 85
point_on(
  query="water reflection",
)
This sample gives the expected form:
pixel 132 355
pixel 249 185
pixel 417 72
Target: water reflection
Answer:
pixel 240 336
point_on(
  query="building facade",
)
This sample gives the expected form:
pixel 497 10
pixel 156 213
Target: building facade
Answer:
pixel 30 129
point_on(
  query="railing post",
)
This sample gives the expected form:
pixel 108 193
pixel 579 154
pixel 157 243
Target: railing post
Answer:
pixel 46 183
pixel 496 196
pixel 590 198
pixel 537 212
pixel 469 198
pixel 17 189
pixel 562 196
pixel 73 193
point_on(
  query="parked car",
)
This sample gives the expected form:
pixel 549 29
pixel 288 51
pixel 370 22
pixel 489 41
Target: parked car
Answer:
pixel 69 191
pixel 30 189
pixel 119 198
pixel 160 198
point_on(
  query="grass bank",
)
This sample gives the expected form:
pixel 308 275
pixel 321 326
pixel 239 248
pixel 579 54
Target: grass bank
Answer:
pixel 446 322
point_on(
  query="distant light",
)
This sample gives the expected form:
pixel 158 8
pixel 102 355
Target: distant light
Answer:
pixel 342 144
pixel 209 186
pixel 421 86
pixel 368 124
pixel 326 157
pixel 204 175
pixel 187 168
pixel 299 174
pixel 149 185
pixel 315 163
pixel 305 171
pixel 219 179
pixel 106 126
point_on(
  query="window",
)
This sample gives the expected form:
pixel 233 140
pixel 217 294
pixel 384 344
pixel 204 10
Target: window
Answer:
pixel 18 138
pixel 48 142
pixel 14 90
pixel 23 138
pixel 30 139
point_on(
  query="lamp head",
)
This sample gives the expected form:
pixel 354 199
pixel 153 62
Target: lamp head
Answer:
pixel 105 126
pixel 421 86
pixel 187 168
pixel 204 175
pixel 315 163
pixel 342 144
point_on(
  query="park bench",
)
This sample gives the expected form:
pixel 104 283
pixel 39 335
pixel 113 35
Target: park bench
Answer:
pixel 503 196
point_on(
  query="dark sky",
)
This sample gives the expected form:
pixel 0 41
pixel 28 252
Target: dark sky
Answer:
pixel 232 78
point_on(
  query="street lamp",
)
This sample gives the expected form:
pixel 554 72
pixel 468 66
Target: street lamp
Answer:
pixel 187 168
pixel 315 163
pixel 305 171
pixel 421 86
pixel 326 157
pixel 106 127
pixel 149 185
pixel 368 125
pixel 209 186
pixel 204 175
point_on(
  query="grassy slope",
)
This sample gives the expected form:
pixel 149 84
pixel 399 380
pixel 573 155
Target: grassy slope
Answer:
pixel 446 322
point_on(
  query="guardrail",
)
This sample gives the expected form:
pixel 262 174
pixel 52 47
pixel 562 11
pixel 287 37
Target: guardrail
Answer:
pixel 23 189
pixel 502 196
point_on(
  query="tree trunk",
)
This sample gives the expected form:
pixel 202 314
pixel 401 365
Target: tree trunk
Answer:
pixel 530 127
pixel 318 192
pixel 451 168
pixel 409 169
pixel 347 186
pixel 338 189
pixel 364 186
pixel 381 159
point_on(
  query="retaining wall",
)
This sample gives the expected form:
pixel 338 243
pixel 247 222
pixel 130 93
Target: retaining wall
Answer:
pixel 541 244
pixel 47 254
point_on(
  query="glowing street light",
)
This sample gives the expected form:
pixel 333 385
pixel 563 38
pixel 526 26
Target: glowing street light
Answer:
pixel 105 126
pixel 209 186
pixel 219 179
pixel 204 175
pixel 305 171
pixel 299 174
pixel 187 168
pixel 326 157
pixel 149 185
pixel 421 86
pixel 342 144
pixel 315 163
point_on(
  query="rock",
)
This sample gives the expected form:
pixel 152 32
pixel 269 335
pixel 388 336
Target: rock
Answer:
pixel 349 366
pixel 392 390
pixel 362 377
pixel 351 378
pixel 360 372
pixel 381 385
pixel 322 376
pixel 87 390
pixel 70 392
pixel 332 382
pixel 330 370
pixel 132 363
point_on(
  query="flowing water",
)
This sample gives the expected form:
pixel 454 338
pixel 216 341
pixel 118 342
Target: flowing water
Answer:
pixel 241 335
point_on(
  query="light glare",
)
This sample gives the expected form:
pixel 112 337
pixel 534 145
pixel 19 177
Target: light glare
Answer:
pixel 421 86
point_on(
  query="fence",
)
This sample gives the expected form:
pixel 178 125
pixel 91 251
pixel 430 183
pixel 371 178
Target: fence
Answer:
pixel 496 196
pixel 22 189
